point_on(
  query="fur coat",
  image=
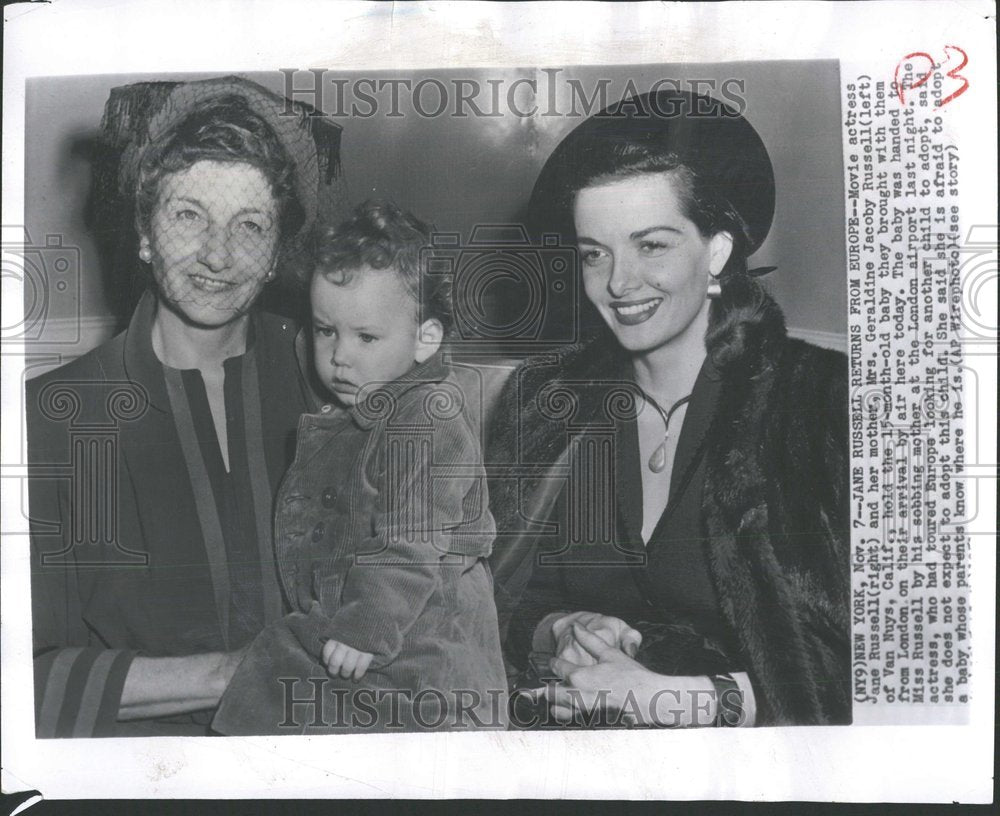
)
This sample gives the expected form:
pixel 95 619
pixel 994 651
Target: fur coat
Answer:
pixel 775 513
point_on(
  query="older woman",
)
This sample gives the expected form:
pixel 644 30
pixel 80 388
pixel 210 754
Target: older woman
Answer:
pixel 702 575
pixel 152 565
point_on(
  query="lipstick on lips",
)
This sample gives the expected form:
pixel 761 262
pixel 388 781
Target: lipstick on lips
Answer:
pixel 208 284
pixel 634 312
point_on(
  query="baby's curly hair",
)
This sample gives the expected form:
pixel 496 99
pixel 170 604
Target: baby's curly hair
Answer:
pixel 380 235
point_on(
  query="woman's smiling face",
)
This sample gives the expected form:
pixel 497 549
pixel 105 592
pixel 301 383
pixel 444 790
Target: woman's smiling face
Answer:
pixel 212 240
pixel 645 264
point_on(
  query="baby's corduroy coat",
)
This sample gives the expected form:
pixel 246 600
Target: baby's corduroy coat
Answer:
pixel 382 529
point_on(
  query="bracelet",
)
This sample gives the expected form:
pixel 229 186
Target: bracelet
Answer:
pixel 729 710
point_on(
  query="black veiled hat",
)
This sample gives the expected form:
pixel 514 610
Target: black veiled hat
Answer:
pixel 136 114
pixel 709 137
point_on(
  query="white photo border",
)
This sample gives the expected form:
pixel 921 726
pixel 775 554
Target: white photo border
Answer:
pixel 886 763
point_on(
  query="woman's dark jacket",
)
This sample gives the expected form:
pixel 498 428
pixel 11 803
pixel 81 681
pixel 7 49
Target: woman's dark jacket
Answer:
pixel 775 514
pixel 130 546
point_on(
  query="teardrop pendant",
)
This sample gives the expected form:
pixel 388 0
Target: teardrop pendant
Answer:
pixel 658 461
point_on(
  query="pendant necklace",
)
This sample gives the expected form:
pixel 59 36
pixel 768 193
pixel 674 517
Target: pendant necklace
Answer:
pixel 658 460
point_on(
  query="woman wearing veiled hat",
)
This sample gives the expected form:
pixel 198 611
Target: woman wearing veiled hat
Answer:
pixel 152 564
pixel 701 575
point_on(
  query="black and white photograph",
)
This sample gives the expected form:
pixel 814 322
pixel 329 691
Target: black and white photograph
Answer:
pixel 482 415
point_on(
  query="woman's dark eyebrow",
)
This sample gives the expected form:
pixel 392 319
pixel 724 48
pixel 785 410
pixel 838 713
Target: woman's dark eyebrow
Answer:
pixel 244 211
pixel 186 198
pixel 644 232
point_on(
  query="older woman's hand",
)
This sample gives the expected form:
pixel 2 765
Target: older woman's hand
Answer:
pixel 617 684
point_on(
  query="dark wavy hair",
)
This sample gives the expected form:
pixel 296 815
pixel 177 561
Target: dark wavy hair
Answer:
pixel 381 236
pixel 222 129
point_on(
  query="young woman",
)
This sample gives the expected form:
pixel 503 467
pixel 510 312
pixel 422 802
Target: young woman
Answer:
pixel 152 570
pixel 720 593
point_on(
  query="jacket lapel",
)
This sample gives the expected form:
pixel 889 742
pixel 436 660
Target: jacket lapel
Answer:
pixel 628 483
pixel 174 498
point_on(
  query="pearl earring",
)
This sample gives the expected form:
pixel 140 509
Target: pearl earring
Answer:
pixel 145 254
pixel 714 288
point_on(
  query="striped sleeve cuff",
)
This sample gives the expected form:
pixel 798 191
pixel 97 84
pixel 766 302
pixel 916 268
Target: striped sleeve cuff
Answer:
pixel 78 691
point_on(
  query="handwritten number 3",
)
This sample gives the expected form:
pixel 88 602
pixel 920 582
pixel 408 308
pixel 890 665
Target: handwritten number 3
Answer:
pixel 952 74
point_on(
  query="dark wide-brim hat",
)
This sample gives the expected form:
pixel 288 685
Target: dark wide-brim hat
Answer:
pixel 711 138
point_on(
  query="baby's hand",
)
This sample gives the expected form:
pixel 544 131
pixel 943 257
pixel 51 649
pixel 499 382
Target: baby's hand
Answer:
pixel 341 659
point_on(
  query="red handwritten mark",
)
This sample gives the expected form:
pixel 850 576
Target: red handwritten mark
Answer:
pixel 953 74
pixel 901 88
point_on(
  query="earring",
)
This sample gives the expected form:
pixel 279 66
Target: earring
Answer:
pixel 714 288
pixel 145 254
pixel 270 276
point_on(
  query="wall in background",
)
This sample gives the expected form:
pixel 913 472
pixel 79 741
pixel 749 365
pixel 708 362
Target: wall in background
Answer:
pixel 463 171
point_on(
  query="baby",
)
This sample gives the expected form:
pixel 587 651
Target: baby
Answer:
pixel 382 526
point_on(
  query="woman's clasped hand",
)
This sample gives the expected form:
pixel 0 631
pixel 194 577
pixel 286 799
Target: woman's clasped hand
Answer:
pixel 600 682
